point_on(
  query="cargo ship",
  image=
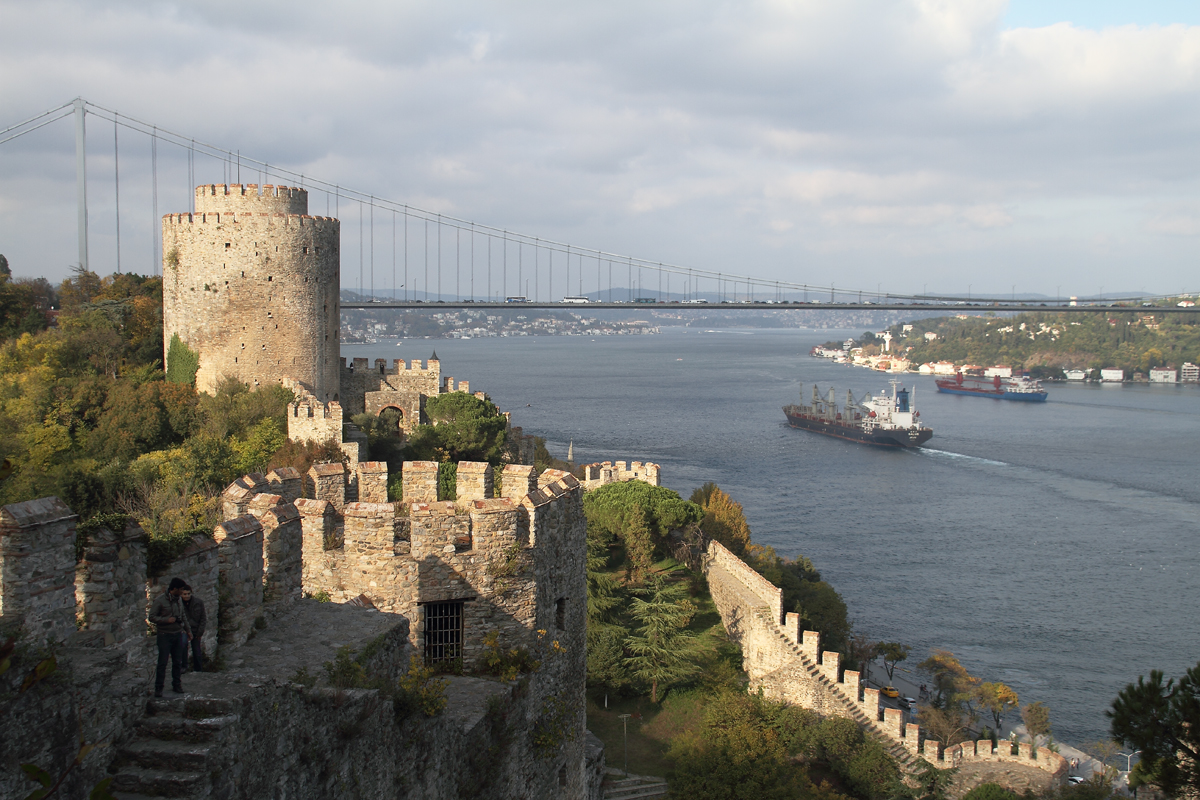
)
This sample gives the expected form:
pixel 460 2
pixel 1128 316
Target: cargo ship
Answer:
pixel 1020 388
pixel 884 421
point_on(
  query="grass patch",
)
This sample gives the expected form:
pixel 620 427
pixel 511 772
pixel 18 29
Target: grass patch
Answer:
pixel 651 728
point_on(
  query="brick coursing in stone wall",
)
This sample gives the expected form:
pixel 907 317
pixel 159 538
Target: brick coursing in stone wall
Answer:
pixel 419 481
pixel 286 482
pixel 786 663
pixel 372 482
pixel 255 290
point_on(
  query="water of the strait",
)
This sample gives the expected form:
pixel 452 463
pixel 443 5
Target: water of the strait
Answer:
pixel 1054 547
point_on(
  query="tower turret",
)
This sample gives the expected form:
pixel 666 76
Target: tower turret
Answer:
pixel 251 282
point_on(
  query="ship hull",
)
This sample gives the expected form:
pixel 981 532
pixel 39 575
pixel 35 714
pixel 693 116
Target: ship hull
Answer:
pixel 852 433
pixel 995 394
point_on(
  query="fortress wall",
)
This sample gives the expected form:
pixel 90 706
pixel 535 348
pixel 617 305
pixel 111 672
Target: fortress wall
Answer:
pixel 254 291
pixel 605 472
pixel 518 480
pixel 788 665
pixel 282 554
pixel 372 482
pixel 481 557
pixel 474 481
pixel 419 481
pixel 328 482
pixel 766 592
pixel 110 587
pixel 310 420
pixel 240 586
pixel 200 565
pixel 371 388
pixel 286 482
pixel 37 567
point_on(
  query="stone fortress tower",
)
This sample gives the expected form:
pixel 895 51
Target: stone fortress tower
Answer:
pixel 251 282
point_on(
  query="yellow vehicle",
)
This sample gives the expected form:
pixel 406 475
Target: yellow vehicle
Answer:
pixel 889 691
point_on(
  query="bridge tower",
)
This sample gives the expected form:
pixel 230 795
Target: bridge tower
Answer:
pixel 251 282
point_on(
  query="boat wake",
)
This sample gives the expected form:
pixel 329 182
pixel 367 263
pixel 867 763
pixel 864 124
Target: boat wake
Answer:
pixel 960 456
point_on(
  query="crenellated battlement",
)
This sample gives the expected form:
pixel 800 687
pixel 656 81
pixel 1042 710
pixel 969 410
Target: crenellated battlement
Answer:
pixel 323 224
pixel 399 366
pixel 252 197
pixel 786 663
pixel 606 472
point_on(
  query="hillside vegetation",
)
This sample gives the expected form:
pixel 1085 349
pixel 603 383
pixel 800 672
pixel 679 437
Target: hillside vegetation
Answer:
pixel 1133 341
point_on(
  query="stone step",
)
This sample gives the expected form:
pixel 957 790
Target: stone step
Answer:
pixel 158 782
pixel 169 754
pixel 635 792
pixel 171 727
pixel 192 706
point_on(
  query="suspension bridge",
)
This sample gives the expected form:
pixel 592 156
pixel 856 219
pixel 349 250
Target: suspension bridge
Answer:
pixel 412 257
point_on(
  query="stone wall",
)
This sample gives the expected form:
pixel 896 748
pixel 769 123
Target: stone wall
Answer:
pixel 474 481
pixel 240 589
pixel 787 664
pixel 372 482
pixel 37 567
pixel 254 291
pixel 199 565
pixel 110 588
pixel 419 481
pixel 328 482
pixel 605 472
pixel 404 387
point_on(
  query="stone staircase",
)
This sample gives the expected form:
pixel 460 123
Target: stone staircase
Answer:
pixel 905 758
pixel 634 787
pixel 174 752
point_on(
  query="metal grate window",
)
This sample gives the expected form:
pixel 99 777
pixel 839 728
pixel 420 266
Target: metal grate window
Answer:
pixel 443 631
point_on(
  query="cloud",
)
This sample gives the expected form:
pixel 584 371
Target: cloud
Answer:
pixel 704 132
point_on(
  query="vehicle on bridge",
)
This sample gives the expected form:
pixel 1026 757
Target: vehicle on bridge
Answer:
pixel 575 299
pixel 517 298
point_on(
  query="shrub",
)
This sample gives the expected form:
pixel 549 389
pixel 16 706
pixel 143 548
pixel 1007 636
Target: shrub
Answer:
pixel 419 691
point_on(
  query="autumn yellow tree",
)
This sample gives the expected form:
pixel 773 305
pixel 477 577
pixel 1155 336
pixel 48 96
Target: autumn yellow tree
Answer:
pixel 724 519
pixel 996 698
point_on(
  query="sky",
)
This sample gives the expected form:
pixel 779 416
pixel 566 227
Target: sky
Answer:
pixel 946 146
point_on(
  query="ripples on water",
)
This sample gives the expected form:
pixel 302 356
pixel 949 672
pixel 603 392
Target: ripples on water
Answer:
pixel 1052 547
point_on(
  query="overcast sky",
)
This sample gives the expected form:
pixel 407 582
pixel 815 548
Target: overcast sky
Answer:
pixel 947 144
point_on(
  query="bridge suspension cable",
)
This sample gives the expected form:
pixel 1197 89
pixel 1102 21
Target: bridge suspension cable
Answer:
pixel 231 167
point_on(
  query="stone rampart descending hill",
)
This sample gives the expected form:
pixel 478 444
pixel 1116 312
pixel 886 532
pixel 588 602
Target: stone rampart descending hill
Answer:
pixel 787 664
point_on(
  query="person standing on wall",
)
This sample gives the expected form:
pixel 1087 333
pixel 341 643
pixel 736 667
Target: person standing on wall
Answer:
pixel 170 621
pixel 193 608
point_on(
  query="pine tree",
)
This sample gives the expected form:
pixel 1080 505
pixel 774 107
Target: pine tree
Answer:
pixel 661 651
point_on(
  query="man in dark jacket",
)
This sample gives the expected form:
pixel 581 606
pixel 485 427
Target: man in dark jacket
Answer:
pixel 193 608
pixel 170 621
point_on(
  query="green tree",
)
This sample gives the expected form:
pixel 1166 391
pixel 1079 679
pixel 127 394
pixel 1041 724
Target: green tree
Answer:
pixel 892 654
pixel 1036 717
pixel 996 698
pixel 724 520
pixel 462 428
pixel 182 362
pixel 661 650
pixel 639 546
pixel 1162 720
pixel 950 678
pixel 735 754
pixel 990 791
pixel 602 587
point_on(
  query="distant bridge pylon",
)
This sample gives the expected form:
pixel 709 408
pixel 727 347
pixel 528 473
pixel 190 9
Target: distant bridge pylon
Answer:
pixel 426 256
